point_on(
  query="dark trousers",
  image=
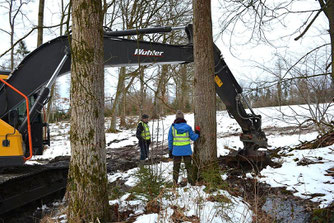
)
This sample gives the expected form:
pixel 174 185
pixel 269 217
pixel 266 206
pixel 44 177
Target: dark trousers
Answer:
pixel 176 167
pixel 144 149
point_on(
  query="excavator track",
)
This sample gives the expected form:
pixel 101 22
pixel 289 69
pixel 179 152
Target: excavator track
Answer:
pixel 22 185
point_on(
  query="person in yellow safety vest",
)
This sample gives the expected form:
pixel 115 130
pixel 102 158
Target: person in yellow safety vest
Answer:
pixel 144 137
pixel 179 136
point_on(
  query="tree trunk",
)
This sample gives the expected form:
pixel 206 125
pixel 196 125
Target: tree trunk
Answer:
pixel 122 107
pixel 328 7
pixel 123 111
pixel 164 89
pixel 330 15
pixel 205 150
pixel 49 105
pixel 40 22
pixel 161 90
pixel 142 92
pixel 121 79
pixel 279 93
pixel 12 46
pixel 87 180
pixel 184 88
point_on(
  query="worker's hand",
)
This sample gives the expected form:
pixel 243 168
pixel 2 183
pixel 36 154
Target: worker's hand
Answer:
pixel 170 154
pixel 198 130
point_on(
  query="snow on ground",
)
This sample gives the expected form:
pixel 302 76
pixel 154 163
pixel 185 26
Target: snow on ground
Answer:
pixel 192 200
pixel 305 180
pixel 301 180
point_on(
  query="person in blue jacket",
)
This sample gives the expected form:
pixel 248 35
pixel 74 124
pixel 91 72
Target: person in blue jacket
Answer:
pixel 179 136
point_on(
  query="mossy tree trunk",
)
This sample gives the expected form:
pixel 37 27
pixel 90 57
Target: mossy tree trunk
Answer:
pixel 87 179
pixel 205 149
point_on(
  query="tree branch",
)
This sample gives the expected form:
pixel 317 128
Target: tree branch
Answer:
pixel 26 35
pixel 309 25
pixel 326 44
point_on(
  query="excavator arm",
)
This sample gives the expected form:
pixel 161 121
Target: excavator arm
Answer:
pixel 38 70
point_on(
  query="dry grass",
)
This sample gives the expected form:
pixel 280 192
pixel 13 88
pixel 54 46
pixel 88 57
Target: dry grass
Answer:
pixel 322 141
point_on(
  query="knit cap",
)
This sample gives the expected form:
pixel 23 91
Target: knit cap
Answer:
pixel 144 116
pixel 179 114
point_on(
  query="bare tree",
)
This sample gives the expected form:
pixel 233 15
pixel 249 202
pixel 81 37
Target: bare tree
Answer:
pixel 133 14
pixel 118 95
pixel 15 9
pixel 259 16
pixel 313 91
pixel 87 180
pixel 160 92
pixel 174 13
pixel 309 80
pixel 205 150
pixel 301 83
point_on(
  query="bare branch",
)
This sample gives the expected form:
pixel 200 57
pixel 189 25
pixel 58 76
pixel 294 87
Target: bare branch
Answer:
pixel 26 35
pixel 309 25
pixel 308 53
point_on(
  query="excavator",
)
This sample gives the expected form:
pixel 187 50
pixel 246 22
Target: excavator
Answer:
pixel 25 90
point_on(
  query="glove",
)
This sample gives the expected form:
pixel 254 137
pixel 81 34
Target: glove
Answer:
pixel 170 153
pixel 198 130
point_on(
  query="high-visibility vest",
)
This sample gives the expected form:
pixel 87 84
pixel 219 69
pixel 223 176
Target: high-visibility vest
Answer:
pixel 180 139
pixel 145 134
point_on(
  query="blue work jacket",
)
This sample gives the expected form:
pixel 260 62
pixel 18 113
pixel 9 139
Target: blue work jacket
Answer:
pixel 181 150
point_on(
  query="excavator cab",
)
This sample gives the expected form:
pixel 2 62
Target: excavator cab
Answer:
pixel 14 144
pixel 18 142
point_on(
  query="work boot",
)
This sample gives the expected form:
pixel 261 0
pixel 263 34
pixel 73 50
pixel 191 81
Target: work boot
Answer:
pixel 183 182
